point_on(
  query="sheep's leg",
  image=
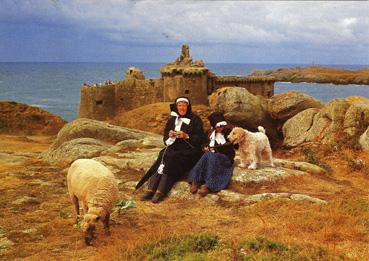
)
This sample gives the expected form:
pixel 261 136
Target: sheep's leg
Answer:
pixel 85 208
pixel 76 206
pixel 106 224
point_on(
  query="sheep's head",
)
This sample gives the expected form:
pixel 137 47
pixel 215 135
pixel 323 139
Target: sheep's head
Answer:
pixel 89 227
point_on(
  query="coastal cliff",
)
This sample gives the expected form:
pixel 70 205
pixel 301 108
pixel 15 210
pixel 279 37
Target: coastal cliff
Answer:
pixel 18 118
pixel 317 74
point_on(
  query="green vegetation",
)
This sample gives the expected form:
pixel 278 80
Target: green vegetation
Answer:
pixel 187 247
pixel 357 164
pixel 311 158
pixel 203 247
pixel 268 250
pixel 124 205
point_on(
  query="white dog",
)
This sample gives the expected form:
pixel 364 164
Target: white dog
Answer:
pixel 253 146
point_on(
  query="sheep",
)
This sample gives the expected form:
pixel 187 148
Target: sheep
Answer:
pixel 95 187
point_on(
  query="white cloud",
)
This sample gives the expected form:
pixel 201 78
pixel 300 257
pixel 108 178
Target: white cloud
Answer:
pixel 286 24
pixel 161 21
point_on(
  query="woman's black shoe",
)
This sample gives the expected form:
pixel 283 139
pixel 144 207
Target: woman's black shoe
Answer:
pixel 157 197
pixel 147 196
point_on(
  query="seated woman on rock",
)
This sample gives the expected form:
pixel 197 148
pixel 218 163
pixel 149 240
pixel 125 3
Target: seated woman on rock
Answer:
pixel 183 136
pixel 214 169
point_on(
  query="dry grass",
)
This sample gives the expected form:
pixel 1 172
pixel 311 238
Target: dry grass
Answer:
pixel 24 143
pixel 339 230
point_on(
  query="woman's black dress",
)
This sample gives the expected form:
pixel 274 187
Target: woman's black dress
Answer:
pixel 179 157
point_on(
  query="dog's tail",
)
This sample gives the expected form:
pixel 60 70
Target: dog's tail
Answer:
pixel 261 129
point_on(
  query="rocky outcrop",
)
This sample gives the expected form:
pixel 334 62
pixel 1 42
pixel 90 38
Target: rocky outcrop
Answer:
pixel 244 109
pixel 78 148
pixel 317 74
pixel 85 138
pixel 18 118
pixel 340 121
pixel 286 105
pixel 138 150
pixel 357 116
pixel 230 196
pixel 181 191
pixel 246 177
pixel 87 128
pixel 295 130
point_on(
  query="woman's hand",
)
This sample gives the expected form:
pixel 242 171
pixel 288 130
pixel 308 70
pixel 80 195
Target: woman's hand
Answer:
pixel 178 134
pixel 172 133
pixel 182 135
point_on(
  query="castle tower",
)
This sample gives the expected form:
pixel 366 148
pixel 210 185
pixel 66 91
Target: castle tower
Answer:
pixel 185 77
pixel 97 102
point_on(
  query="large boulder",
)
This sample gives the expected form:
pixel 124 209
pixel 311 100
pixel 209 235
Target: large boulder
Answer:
pixel 286 105
pixel 296 129
pixel 244 109
pixel 340 121
pixel 357 116
pixel 86 138
pixel 88 128
pixel 74 149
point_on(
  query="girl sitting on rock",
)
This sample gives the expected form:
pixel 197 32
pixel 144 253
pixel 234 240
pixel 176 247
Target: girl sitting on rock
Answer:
pixel 214 170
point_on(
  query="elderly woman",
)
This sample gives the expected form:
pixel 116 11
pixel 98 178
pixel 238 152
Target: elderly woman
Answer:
pixel 214 170
pixel 183 137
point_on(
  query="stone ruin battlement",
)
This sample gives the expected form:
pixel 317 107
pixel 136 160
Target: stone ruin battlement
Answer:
pixel 181 77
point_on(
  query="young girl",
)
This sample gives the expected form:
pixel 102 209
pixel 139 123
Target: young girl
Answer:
pixel 214 170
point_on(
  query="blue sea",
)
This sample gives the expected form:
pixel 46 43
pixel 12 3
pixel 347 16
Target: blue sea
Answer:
pixel 55 87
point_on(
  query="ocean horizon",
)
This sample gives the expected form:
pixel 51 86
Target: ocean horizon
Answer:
pixel 55 86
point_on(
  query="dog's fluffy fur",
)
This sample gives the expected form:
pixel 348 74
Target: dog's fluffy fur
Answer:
pixel 253 147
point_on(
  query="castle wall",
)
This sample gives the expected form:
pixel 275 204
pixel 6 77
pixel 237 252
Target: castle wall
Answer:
pixel 183 77
pixel 97 102
pixel 133 93
pixel 262 86
pixel 193 86
pixel 104 102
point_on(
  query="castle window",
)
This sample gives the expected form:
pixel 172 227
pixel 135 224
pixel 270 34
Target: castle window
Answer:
pixel 187 91
pixel 100 102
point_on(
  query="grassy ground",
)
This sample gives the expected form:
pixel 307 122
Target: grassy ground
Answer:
pixel 43 229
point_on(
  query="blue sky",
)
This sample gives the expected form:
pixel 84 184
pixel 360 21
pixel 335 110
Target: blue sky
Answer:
pixel 302 32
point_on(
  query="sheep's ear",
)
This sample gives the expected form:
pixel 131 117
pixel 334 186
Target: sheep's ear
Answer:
pixel 97 218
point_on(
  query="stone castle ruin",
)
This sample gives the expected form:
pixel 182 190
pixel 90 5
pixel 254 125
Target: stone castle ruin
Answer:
pixel 181 77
